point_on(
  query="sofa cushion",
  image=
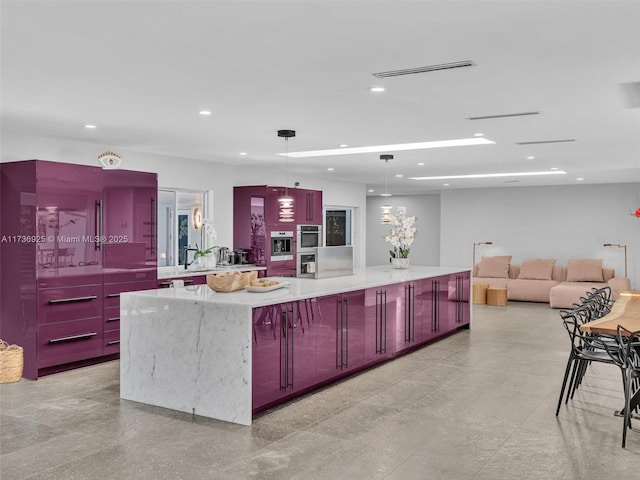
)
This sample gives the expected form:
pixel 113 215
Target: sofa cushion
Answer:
pixel 492 282
pixel 585 270
pixel 530 290
pixel 536 269
pixel 494 267
pixel 566 294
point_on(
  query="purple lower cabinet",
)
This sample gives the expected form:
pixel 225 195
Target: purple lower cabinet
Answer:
pixel 457 300
pixel 341 344
pixel 411 324
pixel 284 354
pixel 380 307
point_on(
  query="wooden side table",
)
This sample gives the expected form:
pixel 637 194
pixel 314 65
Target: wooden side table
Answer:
pixel 480 293
pixel 496 296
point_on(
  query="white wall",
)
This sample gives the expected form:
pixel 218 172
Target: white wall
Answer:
pixel 560 222
pixel 426 247
pixel 191 174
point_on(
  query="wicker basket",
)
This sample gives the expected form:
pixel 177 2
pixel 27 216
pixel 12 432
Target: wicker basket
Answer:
pixel 11 363
pixel 230 281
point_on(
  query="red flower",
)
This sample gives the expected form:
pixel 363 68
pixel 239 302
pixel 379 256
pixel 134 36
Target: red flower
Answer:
pixel 637 214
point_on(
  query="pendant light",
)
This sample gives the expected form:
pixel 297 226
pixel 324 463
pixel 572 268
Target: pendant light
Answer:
pixel 386 208
pixel 285 211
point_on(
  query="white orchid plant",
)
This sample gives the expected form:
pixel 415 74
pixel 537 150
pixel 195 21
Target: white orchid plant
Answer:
pixel 402 234
pixel 210 233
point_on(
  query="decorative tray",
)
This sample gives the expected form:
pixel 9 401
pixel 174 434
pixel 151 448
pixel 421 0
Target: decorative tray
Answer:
pixel 250 288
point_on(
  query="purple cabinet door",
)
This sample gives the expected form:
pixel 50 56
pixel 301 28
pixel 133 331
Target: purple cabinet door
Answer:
pixel 380 317
pixel 410 325
pixel 272 208
pixel 284 354
pixel 129 214
pixel 341 344
pixel 308 206
pixel 69 201
pixel 457 300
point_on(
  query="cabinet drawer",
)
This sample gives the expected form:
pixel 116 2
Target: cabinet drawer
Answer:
pixel 112 292
pixel 67 342
pixel 112 318
pixel 69 303
pixel 111 341
pixel 193 280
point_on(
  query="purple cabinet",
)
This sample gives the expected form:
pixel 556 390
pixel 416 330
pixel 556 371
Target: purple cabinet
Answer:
pixel 411 322
pixel 284 354
pixel 457 300
pixel 380 307
pixel 256 215
pixel 70 229
pixel 308 206
pixel 341 334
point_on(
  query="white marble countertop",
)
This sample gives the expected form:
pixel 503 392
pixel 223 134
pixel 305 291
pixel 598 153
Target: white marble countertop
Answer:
pixel 301 288
pixel 165 273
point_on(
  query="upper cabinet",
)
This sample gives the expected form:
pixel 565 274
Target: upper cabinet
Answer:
pixel 308 207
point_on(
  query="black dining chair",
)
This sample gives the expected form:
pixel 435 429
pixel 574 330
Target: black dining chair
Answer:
pixel 585 348
pixel 627 356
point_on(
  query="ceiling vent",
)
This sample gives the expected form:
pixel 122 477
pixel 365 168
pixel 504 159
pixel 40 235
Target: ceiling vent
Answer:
pixel 505 115
pixel 539 142
pixel 429 68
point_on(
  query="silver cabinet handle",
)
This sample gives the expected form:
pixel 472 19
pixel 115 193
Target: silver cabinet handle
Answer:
pixel 113 319
pixel 73 337
pixel 113 342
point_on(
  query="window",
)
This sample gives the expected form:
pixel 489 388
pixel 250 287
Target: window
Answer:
pixel 180 217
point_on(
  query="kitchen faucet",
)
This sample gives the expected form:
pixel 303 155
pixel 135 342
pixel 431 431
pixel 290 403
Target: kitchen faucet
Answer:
pixel 186 256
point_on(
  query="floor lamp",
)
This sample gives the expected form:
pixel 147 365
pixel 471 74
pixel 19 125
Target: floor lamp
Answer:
pixel 625 254
pixel 474 250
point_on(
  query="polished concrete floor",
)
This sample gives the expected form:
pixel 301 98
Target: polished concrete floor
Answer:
pixel 478 405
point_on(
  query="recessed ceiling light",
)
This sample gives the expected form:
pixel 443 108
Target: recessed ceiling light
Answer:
pixel 243 153
pixel 377 89
pixel 205 112
pixel 580 179
pixel 445 184
pixel 385 194
pixel 398 175
pixel 330 169
pixel 371 190
pixel 90 126
pixel 492 175
pixel 531 157
pixel 478 134
pixel 460 142
pixel 343 145
pixel 554 168
pixel 421 164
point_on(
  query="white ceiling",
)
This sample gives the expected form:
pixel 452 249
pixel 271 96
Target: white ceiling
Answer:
pixel 141 71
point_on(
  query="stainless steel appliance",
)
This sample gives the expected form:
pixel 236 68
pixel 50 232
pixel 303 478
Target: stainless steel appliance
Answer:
pixel 306 264
pixel 239 256
pixel 334 262
pixel 224 256
pixel 309 237
pixel 281 246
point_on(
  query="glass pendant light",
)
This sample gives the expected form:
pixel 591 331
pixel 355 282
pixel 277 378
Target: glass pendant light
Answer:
pixel 285 212
pixel 386 208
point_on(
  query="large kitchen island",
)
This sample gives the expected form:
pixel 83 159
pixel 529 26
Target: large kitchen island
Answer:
pixel 232 355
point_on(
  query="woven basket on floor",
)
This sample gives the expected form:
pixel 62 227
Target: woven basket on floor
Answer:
pixel 11 363
pixel 230 281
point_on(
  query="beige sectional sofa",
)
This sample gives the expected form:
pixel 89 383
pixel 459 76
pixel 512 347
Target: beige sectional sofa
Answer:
pixel 541 280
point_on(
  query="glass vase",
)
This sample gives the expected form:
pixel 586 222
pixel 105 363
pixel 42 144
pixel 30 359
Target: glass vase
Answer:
pixel 400 262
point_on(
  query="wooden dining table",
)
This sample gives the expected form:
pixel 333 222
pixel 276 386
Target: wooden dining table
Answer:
pixel 625 312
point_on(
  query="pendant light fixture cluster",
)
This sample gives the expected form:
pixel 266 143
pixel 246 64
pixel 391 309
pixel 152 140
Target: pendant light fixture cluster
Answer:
pixel 386 208
pixel 285 211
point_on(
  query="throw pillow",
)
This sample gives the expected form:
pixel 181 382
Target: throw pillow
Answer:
pixel 494 267
pixel 585 270
pixel 536 269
